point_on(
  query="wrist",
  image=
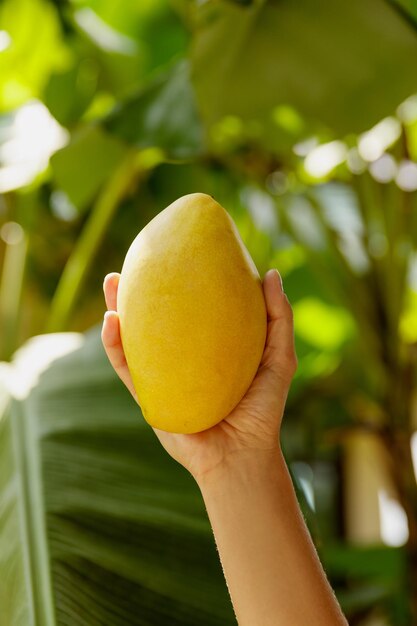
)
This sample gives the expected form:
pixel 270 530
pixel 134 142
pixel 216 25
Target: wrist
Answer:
pixel 244 467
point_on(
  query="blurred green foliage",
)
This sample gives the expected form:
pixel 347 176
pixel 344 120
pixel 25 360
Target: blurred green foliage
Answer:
pixel 300 119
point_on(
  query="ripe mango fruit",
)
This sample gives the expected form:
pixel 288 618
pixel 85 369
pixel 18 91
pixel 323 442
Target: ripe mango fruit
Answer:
pixel 192 316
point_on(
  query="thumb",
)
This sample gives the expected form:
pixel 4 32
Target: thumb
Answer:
pixel 268 393
pixel 279 355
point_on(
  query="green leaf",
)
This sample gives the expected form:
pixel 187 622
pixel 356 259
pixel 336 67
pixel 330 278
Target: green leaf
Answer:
pixel 14 594
pixel 330 65
pixel 244 3
pixel 363 598
pixel 117 56
pixel 374 562
pixel 84 165
pixel 25 592
pixel 408 321
pixel 152 24
pixel 117 525
pixel 163 115
pixel 321 325
pixel 376 575
pixel 408 7
pixel 28 56
pixel 69 93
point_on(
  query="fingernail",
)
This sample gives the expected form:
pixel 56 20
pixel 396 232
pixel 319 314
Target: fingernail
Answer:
pixel 280 279
pixel 107 314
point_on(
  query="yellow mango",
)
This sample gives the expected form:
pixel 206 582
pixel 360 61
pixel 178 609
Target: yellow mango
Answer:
pixel 192 316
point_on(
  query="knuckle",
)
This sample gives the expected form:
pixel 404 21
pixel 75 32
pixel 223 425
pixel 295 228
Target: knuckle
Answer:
pixel 288 365
pixel 282 371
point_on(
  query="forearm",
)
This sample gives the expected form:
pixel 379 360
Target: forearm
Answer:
pixel 271 568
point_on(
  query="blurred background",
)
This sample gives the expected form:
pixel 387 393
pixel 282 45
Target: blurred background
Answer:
pixel 299 118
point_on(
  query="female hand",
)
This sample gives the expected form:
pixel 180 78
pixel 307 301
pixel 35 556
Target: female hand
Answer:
pixel 252 428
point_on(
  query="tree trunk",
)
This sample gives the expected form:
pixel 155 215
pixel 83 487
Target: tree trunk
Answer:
pixel 402 469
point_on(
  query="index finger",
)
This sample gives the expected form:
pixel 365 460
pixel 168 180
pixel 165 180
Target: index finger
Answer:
pixel 110 285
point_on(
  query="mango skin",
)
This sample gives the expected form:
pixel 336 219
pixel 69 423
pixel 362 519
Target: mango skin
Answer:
pixel 192 316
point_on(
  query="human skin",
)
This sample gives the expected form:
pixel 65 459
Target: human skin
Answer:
pixel 271 567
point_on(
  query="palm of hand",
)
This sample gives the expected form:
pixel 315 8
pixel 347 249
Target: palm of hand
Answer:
pixel 254 423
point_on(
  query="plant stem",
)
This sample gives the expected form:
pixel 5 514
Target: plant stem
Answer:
pixel 11 283
pixel 77 266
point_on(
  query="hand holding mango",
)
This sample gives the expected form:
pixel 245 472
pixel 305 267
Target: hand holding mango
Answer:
pixel 185 331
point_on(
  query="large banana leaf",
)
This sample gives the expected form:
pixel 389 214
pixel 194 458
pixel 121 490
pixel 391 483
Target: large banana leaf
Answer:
pixel 98 525
pixel 343 65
